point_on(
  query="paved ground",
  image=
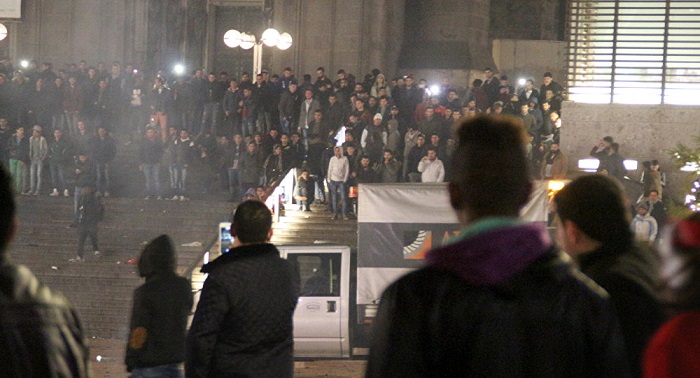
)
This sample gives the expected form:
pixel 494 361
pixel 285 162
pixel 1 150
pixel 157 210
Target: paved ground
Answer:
pixel 111 363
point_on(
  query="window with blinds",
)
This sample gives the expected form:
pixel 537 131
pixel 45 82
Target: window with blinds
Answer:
pixel 634 52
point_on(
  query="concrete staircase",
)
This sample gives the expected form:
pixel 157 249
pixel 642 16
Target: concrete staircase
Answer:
pixel 101 288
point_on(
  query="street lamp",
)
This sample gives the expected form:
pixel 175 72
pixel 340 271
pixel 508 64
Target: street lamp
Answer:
pixel 270 37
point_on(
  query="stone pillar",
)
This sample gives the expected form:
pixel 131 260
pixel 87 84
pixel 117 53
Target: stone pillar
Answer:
pixel 195 27
pixel 446 35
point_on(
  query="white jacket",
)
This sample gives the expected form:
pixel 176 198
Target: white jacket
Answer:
pixel 432 171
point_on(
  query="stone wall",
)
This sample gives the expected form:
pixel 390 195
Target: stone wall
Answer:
pixel 528 19
pixel 151 34
pixel 645 132
pixel 353 35
pixel 530 59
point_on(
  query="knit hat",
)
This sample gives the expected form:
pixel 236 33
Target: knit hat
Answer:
pixel 378 116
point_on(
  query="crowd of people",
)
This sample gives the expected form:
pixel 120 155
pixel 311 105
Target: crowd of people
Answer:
pixel 499 299
pixel 650 209
pixel 244 132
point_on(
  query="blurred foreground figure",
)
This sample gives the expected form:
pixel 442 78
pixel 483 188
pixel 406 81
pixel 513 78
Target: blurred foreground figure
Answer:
pixel 40 333
pixel 498 300
pixel 593 226
pixel 159 316
pixel 674 351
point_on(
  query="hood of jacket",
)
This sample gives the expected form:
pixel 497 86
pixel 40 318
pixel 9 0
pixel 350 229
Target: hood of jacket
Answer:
pixel 158 257
pixel 493 256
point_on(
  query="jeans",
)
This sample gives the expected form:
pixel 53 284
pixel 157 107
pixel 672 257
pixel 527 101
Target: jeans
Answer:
pixel 102 174
pixel 320 187
pixel 210 116
pixel 18 171
pixel 264 122
pixel 284 125
pixel 335 187
pixel 162 371
pixel 152 180
pixel 57 121
pixel 234 181
pixel 35 172
pixel 57 176
pixel 248 127
pixel 178 179
pixel 70 122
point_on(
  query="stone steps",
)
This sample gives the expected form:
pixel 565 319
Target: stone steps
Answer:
pixel 101 288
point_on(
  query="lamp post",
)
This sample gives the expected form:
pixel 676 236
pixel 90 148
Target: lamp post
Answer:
pixel 270 37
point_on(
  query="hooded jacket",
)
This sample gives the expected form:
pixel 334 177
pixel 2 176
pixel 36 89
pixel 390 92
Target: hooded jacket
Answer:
pixel 160 309
pixel 40 333
pixel 499 303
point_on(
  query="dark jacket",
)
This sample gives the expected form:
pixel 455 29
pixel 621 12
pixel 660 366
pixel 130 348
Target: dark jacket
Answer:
pixel 161 100
pixel 90 210
pixel 630 277
pixel 103 150
pixel 60 151
pixel 160 309
pixel 182 152
pixel 289 105
pixel 18 149
pixel 150 151
pixel 243 323
pixel 214 92
pixel 85 173
pixel 499 303
pixel 250 168
pixel 40 333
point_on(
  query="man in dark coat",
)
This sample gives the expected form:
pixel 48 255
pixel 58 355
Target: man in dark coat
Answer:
pixel 243 324
pixel 159 314
pixel 593 227
pixel 40 333
pixel 90 213
pixel 497 300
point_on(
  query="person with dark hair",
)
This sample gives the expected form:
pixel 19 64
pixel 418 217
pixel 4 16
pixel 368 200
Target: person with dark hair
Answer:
pixel 593 226
pixel 674 350
pixel 490 86
pixel 159 314
pixel 90 213
pixel 657 209
pixel 338 174
pixel 304 191
pixel 601 151
pixel 40 332
pixel 616 163
pixel 18 152
pixel 430 167
pixel 250 167
pixel 150 154
pixel 498 300
pixel 84 170
pixel 243 323
pixel 389 170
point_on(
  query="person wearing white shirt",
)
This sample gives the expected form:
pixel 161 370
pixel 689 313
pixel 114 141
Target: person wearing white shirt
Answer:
pixel 431 168
pixel 338 172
